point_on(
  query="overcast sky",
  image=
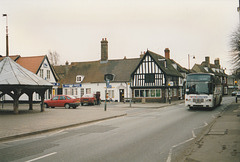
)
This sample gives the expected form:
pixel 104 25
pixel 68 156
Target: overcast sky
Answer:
pixel 74 28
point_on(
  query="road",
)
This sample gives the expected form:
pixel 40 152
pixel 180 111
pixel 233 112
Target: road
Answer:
pixel 143 135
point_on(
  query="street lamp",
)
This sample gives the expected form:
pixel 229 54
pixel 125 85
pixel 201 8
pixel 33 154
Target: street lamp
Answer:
pixel 7 49
pixel 189 56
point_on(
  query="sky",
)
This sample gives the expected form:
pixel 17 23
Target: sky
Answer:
pixel 74 28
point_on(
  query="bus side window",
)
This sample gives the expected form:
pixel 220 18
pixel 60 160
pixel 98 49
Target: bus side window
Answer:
pixel 211 87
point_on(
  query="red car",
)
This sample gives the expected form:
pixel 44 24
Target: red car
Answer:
pixel 66 101
pixel 89 99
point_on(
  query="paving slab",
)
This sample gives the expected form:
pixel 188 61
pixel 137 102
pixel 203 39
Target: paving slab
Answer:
pixel 222 142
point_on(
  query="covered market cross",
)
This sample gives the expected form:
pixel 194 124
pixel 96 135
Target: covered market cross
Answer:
pixel 16 80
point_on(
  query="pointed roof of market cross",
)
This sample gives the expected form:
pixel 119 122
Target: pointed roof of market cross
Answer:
pixel 12 73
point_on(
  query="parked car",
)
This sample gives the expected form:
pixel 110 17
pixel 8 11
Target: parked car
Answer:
pixel 237 96
pixel 234 93
pixel 89 99
pixel 66 101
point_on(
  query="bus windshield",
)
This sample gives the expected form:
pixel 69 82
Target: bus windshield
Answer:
pixel 199 88
pixel 200 84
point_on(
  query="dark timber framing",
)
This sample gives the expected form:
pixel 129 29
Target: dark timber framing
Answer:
pixel 152 77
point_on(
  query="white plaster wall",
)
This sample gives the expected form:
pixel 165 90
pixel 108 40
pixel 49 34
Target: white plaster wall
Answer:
pixel 101 87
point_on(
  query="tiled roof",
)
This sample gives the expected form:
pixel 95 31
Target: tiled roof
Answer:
pixel 169 69
pixel 94 71
pixel 197 68
pixel 12 73
pixel 13 57
pixel 31 63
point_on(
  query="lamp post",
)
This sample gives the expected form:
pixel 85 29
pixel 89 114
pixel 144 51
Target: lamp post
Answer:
pixel 7 48
pixel 189 56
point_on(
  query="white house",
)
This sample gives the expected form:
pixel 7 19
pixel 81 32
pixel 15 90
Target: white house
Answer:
pixel 41 66
pixel 81 78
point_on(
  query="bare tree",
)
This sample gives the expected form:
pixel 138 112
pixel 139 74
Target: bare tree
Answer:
pixel 235 49
pixel 53 57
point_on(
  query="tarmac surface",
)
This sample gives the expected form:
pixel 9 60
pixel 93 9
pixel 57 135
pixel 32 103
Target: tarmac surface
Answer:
pixel 30 122
pixel 220 142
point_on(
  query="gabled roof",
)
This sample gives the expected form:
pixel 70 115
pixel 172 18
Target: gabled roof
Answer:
pixel 94 71
pixel 31 63
pixel 12 73
pixel 168 70
pixel 13 57
pixel 202 68
pixel 179 67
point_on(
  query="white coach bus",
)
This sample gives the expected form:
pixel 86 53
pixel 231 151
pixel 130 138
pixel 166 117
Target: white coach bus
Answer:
pixel 203 90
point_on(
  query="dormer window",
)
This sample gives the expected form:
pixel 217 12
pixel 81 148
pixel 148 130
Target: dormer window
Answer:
pixel 79 78
pixel 206 68
pixel 175 66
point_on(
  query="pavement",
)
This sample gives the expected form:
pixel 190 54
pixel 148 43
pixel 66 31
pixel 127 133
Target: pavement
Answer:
pixel 220 142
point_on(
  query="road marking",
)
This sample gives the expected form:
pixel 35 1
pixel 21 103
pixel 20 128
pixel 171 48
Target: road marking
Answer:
pixel 170 152
pixel 41 157
pixel 194 136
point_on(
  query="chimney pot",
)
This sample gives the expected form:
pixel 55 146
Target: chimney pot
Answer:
pixel 207 59
pixel 217 62
pixel 167 53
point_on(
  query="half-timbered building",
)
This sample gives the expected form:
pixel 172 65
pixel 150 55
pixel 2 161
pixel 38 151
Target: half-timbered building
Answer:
pixel 156 79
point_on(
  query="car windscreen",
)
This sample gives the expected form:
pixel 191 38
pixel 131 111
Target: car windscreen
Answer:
pixel 71 97
pixel 88 95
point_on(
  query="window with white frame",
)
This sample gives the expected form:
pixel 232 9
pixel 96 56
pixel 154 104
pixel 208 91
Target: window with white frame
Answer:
pixel 76 91
pixel 79 78
pixel 88 90
pixel 65 91
pixel 82 92
pixel 111 93
pixel 48 74
pixel 72 91
pixel 41 73
pixel 148 93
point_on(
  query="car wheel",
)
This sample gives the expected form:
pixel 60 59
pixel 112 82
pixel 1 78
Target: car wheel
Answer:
pixel 74 107
pixel 46 105
pixel 67 106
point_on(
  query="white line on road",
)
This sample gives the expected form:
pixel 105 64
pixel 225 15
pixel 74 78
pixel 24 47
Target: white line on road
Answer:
pixel 194 136
pixel 170 152
pixel 41 157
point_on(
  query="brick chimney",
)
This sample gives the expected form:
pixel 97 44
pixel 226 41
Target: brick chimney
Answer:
pixel 104 50
pixel 167 53
pixel 207 60
pixel 217 63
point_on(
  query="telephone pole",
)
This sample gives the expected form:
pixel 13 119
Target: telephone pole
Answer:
pixel 7 48
pixel 238 9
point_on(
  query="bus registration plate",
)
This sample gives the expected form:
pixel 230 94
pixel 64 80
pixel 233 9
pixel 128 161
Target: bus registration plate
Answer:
pixel 196 100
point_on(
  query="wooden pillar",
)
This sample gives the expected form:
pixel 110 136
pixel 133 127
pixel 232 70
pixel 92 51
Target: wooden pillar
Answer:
pixel 30 96
pixel 15 105
pixel 42 100
pixel 15 96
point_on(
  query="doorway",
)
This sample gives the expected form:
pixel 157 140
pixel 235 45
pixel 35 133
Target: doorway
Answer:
pixel 121 95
